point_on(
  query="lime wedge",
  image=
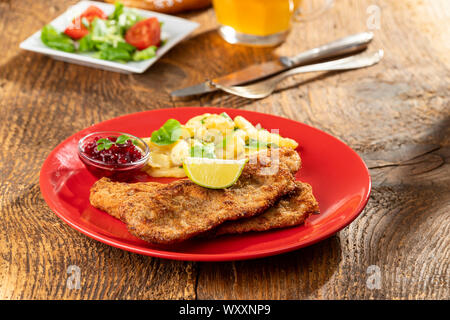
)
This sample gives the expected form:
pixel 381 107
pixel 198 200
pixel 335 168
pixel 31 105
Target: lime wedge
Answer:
pixel 213 173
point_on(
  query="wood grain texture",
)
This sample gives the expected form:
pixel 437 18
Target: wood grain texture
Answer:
pixel 396 115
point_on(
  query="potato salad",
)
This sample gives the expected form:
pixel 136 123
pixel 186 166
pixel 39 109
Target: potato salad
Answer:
pixel 215 136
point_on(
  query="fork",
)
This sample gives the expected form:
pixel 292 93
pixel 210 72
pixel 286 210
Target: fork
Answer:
pixel 264 88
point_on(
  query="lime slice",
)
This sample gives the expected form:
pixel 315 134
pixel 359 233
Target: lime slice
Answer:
pixel 213 173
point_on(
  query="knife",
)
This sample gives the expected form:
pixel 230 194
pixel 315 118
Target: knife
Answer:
pixel 347 45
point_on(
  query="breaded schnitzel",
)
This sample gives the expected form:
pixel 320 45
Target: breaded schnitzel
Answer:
pixel 169 213
pixel 108 196
pixel 291 210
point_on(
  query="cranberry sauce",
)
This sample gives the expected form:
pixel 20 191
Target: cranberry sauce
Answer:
pixel 116 154
pixel 113 155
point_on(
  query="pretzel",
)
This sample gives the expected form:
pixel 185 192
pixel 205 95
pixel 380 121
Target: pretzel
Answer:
pixel 166 6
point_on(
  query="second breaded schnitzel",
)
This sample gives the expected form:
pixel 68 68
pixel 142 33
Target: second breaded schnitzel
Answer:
pixel 169 213
pixel 291 210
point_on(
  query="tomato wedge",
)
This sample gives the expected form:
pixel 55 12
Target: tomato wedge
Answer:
pixel 144 34
pixel 77 30
pixel 91 13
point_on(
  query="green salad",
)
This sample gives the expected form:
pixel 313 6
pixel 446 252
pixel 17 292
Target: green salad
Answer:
pixel 122 36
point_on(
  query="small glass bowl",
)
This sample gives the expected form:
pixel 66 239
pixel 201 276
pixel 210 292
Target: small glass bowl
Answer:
pixel 120 172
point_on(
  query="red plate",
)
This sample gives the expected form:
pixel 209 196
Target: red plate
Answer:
pixel 340 181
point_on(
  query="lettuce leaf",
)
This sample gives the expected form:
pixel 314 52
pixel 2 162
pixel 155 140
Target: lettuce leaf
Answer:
pixel 86 43
pixel 145 54
pixel 56 40
pixel 169 133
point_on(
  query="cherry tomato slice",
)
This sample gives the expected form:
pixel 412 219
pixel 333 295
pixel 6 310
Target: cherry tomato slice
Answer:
pixel 76 31
pixel 91 13
pixel 144 34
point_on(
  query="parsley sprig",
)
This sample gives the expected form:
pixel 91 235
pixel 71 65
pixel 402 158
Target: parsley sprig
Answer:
pixel 105 143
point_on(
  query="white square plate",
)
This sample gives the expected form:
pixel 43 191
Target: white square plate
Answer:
pixel 175 29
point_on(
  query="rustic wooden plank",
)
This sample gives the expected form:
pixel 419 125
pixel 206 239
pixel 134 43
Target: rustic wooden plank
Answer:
pixel 43 101
pixel 396 115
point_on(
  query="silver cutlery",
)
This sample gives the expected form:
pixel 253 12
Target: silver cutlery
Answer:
pixel 264 88
pixel 347 45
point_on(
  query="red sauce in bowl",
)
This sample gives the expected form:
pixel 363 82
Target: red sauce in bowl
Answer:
pixel 116 154
pixel 104 157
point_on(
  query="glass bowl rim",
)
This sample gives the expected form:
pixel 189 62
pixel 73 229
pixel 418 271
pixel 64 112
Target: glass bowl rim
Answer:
pixel 143 160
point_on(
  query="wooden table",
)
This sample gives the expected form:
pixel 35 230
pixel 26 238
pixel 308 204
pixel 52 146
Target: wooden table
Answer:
pixel 396 115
